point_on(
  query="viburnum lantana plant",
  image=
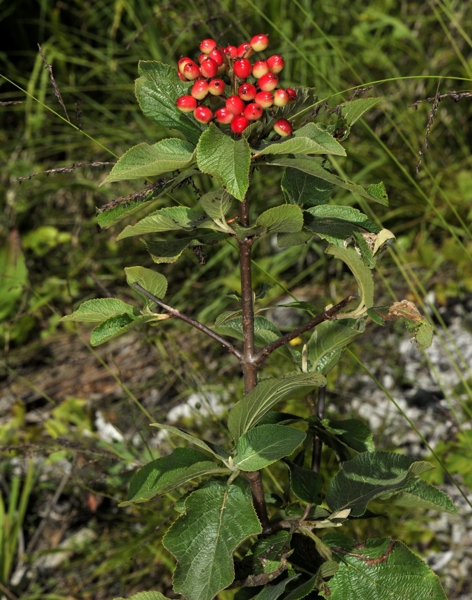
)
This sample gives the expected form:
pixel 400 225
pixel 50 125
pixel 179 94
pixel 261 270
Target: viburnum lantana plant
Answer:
pixel 234 530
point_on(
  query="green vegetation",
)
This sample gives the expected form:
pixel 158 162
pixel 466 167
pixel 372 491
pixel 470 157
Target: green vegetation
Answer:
pixel 53 256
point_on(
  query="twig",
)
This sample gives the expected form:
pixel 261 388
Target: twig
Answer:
pixel 48 510
pixel 10 102
pixel 61 170
pixel 456 96
pixel 57 93
pixel 7 592
pixel 324 316
pixel 78 115
pixel 178 315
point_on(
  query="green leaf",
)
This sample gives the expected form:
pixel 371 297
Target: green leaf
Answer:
pixel 330 336
pixel 145 596
pixel 173 218
pixel 249 411
pixel 419 494
pixel 352 111
pixel 157 91
pixel 352 432
pixel 165 474
pixel 118 209
pixel 113 327
pixel 313 166
pixel 13 275
pixel 363 275
pixel 217 518
pixel 216 203
pixel 144 160
pixel 286 218
pixel 309 139
pixel 169 251
pixel 316 133
pixel 217 451
pixel 340 214
pixel 226 159
pixel 376 318
pixel 265 332
pixel 266 556
pixel 423 335
pixel 368 476
pixel 279 418
pixel 287 240
pixel 304 189
pixel 305 484
pixel 98 310
pixel 275 591
pixel 379 569
pixel 264 445
pixel 302 590
pixel 151 281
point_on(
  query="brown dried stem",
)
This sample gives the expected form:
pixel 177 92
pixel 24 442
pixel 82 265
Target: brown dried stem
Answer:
pixel 178 315
pixel 57 93
pixel 324 316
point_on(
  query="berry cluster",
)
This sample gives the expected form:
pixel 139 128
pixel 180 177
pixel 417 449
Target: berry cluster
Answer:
pixel 253 86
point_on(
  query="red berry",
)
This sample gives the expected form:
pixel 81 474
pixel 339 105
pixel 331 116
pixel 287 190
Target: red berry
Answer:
pixel 209 68
pixel 202 114
pixel 260 68
pixel 223 115
pixel 182 76
pixel 182 62
pixel 283 127
pixel 206 46
pixel 216 87
pixel 281 97
pixel 222 69
pixel 260 42
pixel 242 67
pixel 244 50
pixel 253 111
pixel 292 94
pixel 247 91
pixel 264 99
pixel 276 63
pixel 217 56
pixel 186 103
pixel 235 105
pixel 201 58
pixel 231 52
pixel 239 124
pixel 268 82
pixel 191 71
pixel 200 89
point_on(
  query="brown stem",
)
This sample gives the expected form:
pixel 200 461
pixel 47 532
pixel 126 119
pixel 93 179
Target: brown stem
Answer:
pixel 324 316
pixel 248 365
pixel 178 315
pixel 247 305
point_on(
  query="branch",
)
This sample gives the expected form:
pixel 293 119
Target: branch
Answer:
pixel 57 93
pixel 178 315
pixel 327 315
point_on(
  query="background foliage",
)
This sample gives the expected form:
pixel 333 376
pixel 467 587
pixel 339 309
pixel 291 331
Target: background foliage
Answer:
pixel 55 256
